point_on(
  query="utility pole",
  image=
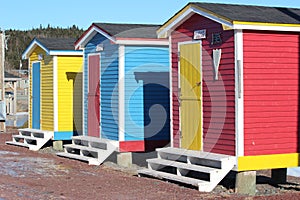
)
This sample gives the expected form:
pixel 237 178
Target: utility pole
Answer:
pixel 2 89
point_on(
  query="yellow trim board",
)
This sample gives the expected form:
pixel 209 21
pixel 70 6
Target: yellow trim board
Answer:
pixel 249 163
pixel 264 24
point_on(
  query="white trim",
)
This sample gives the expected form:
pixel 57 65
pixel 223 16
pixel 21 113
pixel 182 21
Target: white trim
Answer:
pixel 65 53
pixel 31 48
pixel 55 92
pixel 184 16
pixel 266 27
pixel 201 97
pixel 121 93
pixel 143 42
pixel 83 87
pixel 239 89
pixel 90 34
pixel 171 91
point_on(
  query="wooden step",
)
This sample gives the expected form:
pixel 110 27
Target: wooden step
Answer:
pixel 181 165
pixel 173 177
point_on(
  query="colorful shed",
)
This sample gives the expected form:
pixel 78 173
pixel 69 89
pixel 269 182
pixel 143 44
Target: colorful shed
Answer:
pixel 55 94
pixel 235 85
pixel 126 87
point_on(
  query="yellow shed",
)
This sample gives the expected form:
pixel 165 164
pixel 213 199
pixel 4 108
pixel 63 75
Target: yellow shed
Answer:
pixel 55 95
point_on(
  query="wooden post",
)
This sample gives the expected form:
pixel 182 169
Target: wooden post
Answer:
pixel 2 92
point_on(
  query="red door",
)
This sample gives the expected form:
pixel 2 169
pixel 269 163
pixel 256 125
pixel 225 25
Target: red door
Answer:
pixel 94 96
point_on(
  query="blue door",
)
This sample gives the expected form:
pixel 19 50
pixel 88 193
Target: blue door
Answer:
pixel 36 91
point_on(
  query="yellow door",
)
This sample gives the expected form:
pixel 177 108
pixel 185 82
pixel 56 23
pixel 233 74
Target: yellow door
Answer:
pixel 190 96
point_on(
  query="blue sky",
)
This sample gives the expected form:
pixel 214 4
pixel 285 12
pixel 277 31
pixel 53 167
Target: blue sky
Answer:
pixel 24 15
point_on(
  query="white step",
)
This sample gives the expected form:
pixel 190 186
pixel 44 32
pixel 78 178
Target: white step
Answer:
pixel 183 166
pixel 173 177
pixel 39 136
pixel 194 157
pixel 205 170
pixel 17 143
pixel 91 161
pixel 89 148
pixel 80 147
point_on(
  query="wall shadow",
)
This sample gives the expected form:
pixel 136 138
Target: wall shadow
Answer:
pixel 77 101
pixel 156 97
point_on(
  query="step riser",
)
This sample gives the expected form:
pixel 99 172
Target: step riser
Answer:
pixel 90 144
pixel 190 160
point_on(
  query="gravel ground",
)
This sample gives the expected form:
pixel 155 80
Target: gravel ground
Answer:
pixel 26 174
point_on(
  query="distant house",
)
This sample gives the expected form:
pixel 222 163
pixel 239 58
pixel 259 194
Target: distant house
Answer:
pixel 11 82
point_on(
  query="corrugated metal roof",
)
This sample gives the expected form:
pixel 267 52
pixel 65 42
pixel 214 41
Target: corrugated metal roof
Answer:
pixel 247 13
pixel 129 30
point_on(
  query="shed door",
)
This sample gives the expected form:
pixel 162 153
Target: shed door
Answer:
pixel 36 95
pixel 190 96
pixel 94 96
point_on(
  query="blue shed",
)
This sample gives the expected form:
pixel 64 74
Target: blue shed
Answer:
pixel 126 95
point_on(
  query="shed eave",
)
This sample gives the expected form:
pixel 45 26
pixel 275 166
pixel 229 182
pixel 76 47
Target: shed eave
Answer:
pixel 89 34
pixel 142 41
pixel 186 13
pixel 266 26
pixel 66 53
pixel 35 43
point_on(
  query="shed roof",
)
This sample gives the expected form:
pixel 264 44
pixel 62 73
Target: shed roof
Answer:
pixel 238 17
pixel 10 77
pixel 57 43
pixel 129 30
pixel 248 13
pixel 52 46
pixel 117 32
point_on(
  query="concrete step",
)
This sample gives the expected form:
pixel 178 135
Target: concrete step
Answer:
pixel 85 147
pixel 31 138
pixel 157 163
pixel 80 147
pixel 16 143
pixel 91 161
pixel 193 157
pixel 27 138
pixel 202 169
pixel 173 177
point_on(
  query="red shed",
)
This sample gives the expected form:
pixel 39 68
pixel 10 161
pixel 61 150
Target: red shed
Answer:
pixel 235 83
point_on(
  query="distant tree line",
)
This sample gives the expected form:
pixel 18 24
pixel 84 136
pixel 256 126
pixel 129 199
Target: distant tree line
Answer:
pixel 18 40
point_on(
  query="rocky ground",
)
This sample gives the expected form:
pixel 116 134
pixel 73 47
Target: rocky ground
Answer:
pixel 26 174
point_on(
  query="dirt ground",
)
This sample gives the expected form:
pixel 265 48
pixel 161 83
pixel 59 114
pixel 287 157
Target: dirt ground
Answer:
pixel 26 174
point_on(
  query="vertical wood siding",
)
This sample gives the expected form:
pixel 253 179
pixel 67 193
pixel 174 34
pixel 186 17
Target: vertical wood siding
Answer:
pixel 145 60
pixel 108 87
pixel 67 70
pixel 271 92
pixel 218 96
pixel 46 89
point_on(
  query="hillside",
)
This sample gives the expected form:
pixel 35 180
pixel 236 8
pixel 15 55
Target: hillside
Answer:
pixel 18 41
